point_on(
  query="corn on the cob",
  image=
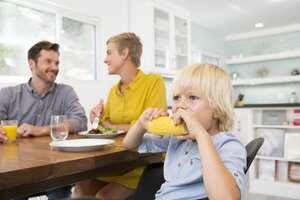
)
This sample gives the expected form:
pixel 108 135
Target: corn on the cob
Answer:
pixel 165 126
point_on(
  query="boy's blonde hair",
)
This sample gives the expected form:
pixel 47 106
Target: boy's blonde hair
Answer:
pixel 214 84
pixel 130 41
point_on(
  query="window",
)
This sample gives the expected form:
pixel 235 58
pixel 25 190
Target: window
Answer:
pixel 78 50
pixel 24 25
pixel 206 57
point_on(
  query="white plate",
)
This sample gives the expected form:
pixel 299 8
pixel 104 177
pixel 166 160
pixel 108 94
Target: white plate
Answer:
pixel 102 136
pixel 80 144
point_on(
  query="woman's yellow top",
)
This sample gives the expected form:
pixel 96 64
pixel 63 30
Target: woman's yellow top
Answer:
pixel 145 91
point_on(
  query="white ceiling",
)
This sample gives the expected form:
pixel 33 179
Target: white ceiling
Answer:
pixel 229 17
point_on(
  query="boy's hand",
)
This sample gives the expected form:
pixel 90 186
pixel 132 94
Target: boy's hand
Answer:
pixel 150 114
pixel 192 123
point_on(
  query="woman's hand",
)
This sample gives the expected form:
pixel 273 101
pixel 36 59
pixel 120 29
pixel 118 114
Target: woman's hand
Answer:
pixel 98 110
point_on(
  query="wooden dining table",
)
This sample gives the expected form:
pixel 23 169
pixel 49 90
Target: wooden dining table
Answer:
pixel 30 165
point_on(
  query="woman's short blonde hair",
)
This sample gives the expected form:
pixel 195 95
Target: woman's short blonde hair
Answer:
pixel 214 84
pixel 132 42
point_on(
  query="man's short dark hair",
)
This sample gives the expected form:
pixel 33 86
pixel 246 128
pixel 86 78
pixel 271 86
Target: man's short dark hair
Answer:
pixel 34 51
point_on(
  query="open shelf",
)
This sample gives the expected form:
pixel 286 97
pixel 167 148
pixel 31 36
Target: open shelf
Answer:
pixel 276 126
pixel 278 158
pixel 276 188
pixel 271 171
pixel 267 80
pixel 269 175
pixel 265 57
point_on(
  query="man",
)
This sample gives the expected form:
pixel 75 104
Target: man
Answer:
pixel 33 103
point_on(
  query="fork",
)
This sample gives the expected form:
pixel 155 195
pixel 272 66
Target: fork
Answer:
pixel 96 122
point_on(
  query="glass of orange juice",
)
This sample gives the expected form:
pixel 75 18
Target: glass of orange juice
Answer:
pixel 10 128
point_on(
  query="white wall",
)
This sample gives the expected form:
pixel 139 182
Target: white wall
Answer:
pixel 114 19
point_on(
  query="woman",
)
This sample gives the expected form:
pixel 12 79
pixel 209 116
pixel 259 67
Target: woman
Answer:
pixel 127 100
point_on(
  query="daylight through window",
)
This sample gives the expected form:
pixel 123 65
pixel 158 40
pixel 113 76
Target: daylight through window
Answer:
pixel 22 26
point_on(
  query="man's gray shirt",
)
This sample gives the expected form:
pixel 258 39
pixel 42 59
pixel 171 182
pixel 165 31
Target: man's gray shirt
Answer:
pixel 24 104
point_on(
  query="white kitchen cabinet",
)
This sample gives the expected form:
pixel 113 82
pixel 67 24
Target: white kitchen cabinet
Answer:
pixel 269 173
pixel 242 121
pixel 164 30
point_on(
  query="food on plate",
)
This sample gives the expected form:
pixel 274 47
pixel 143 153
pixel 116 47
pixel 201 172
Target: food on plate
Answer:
pixel 165 126
pixel 102 130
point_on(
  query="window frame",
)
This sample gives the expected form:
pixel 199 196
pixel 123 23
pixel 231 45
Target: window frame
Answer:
pixel 207 53
pixel 61 12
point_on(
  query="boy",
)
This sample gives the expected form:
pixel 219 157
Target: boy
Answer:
pixel 209 161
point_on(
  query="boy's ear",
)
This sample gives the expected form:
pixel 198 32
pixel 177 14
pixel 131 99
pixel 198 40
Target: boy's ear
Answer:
pixel 125 53
pixel 216 116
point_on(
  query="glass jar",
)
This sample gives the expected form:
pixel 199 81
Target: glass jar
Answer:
pixel 293 97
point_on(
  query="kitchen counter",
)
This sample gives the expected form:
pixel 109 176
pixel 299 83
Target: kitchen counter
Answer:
pixel 269 105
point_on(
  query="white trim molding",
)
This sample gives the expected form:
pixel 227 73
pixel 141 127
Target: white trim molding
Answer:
pixel 265 32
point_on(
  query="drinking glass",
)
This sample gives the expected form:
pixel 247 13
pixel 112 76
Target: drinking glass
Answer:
pixel 59 127
pixel 10 128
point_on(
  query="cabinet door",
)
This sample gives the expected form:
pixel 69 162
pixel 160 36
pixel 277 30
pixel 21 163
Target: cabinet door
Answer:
pixel 242 124
pixel 162 45
pixel 164 29
pixel 171 39
pixel 181 42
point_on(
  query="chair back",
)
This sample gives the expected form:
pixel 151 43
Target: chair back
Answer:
pixel 252 149
pixel 150 182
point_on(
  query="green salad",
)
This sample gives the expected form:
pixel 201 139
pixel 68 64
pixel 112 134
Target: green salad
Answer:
pixel 101 130
pixel 106 130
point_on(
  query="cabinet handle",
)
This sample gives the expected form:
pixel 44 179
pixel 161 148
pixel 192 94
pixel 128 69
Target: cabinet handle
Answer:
pixel 239 126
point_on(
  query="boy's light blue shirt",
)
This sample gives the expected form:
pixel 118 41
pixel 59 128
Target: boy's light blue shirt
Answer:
pixel 183 169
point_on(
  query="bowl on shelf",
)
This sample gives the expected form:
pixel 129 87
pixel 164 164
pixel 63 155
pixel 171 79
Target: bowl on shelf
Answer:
pixel 262 72
pixel 235 76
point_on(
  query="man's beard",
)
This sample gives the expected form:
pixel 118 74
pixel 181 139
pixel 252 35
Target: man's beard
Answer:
pixel 42 76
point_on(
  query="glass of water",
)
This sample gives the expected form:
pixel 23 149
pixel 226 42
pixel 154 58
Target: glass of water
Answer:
pixel 59 127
